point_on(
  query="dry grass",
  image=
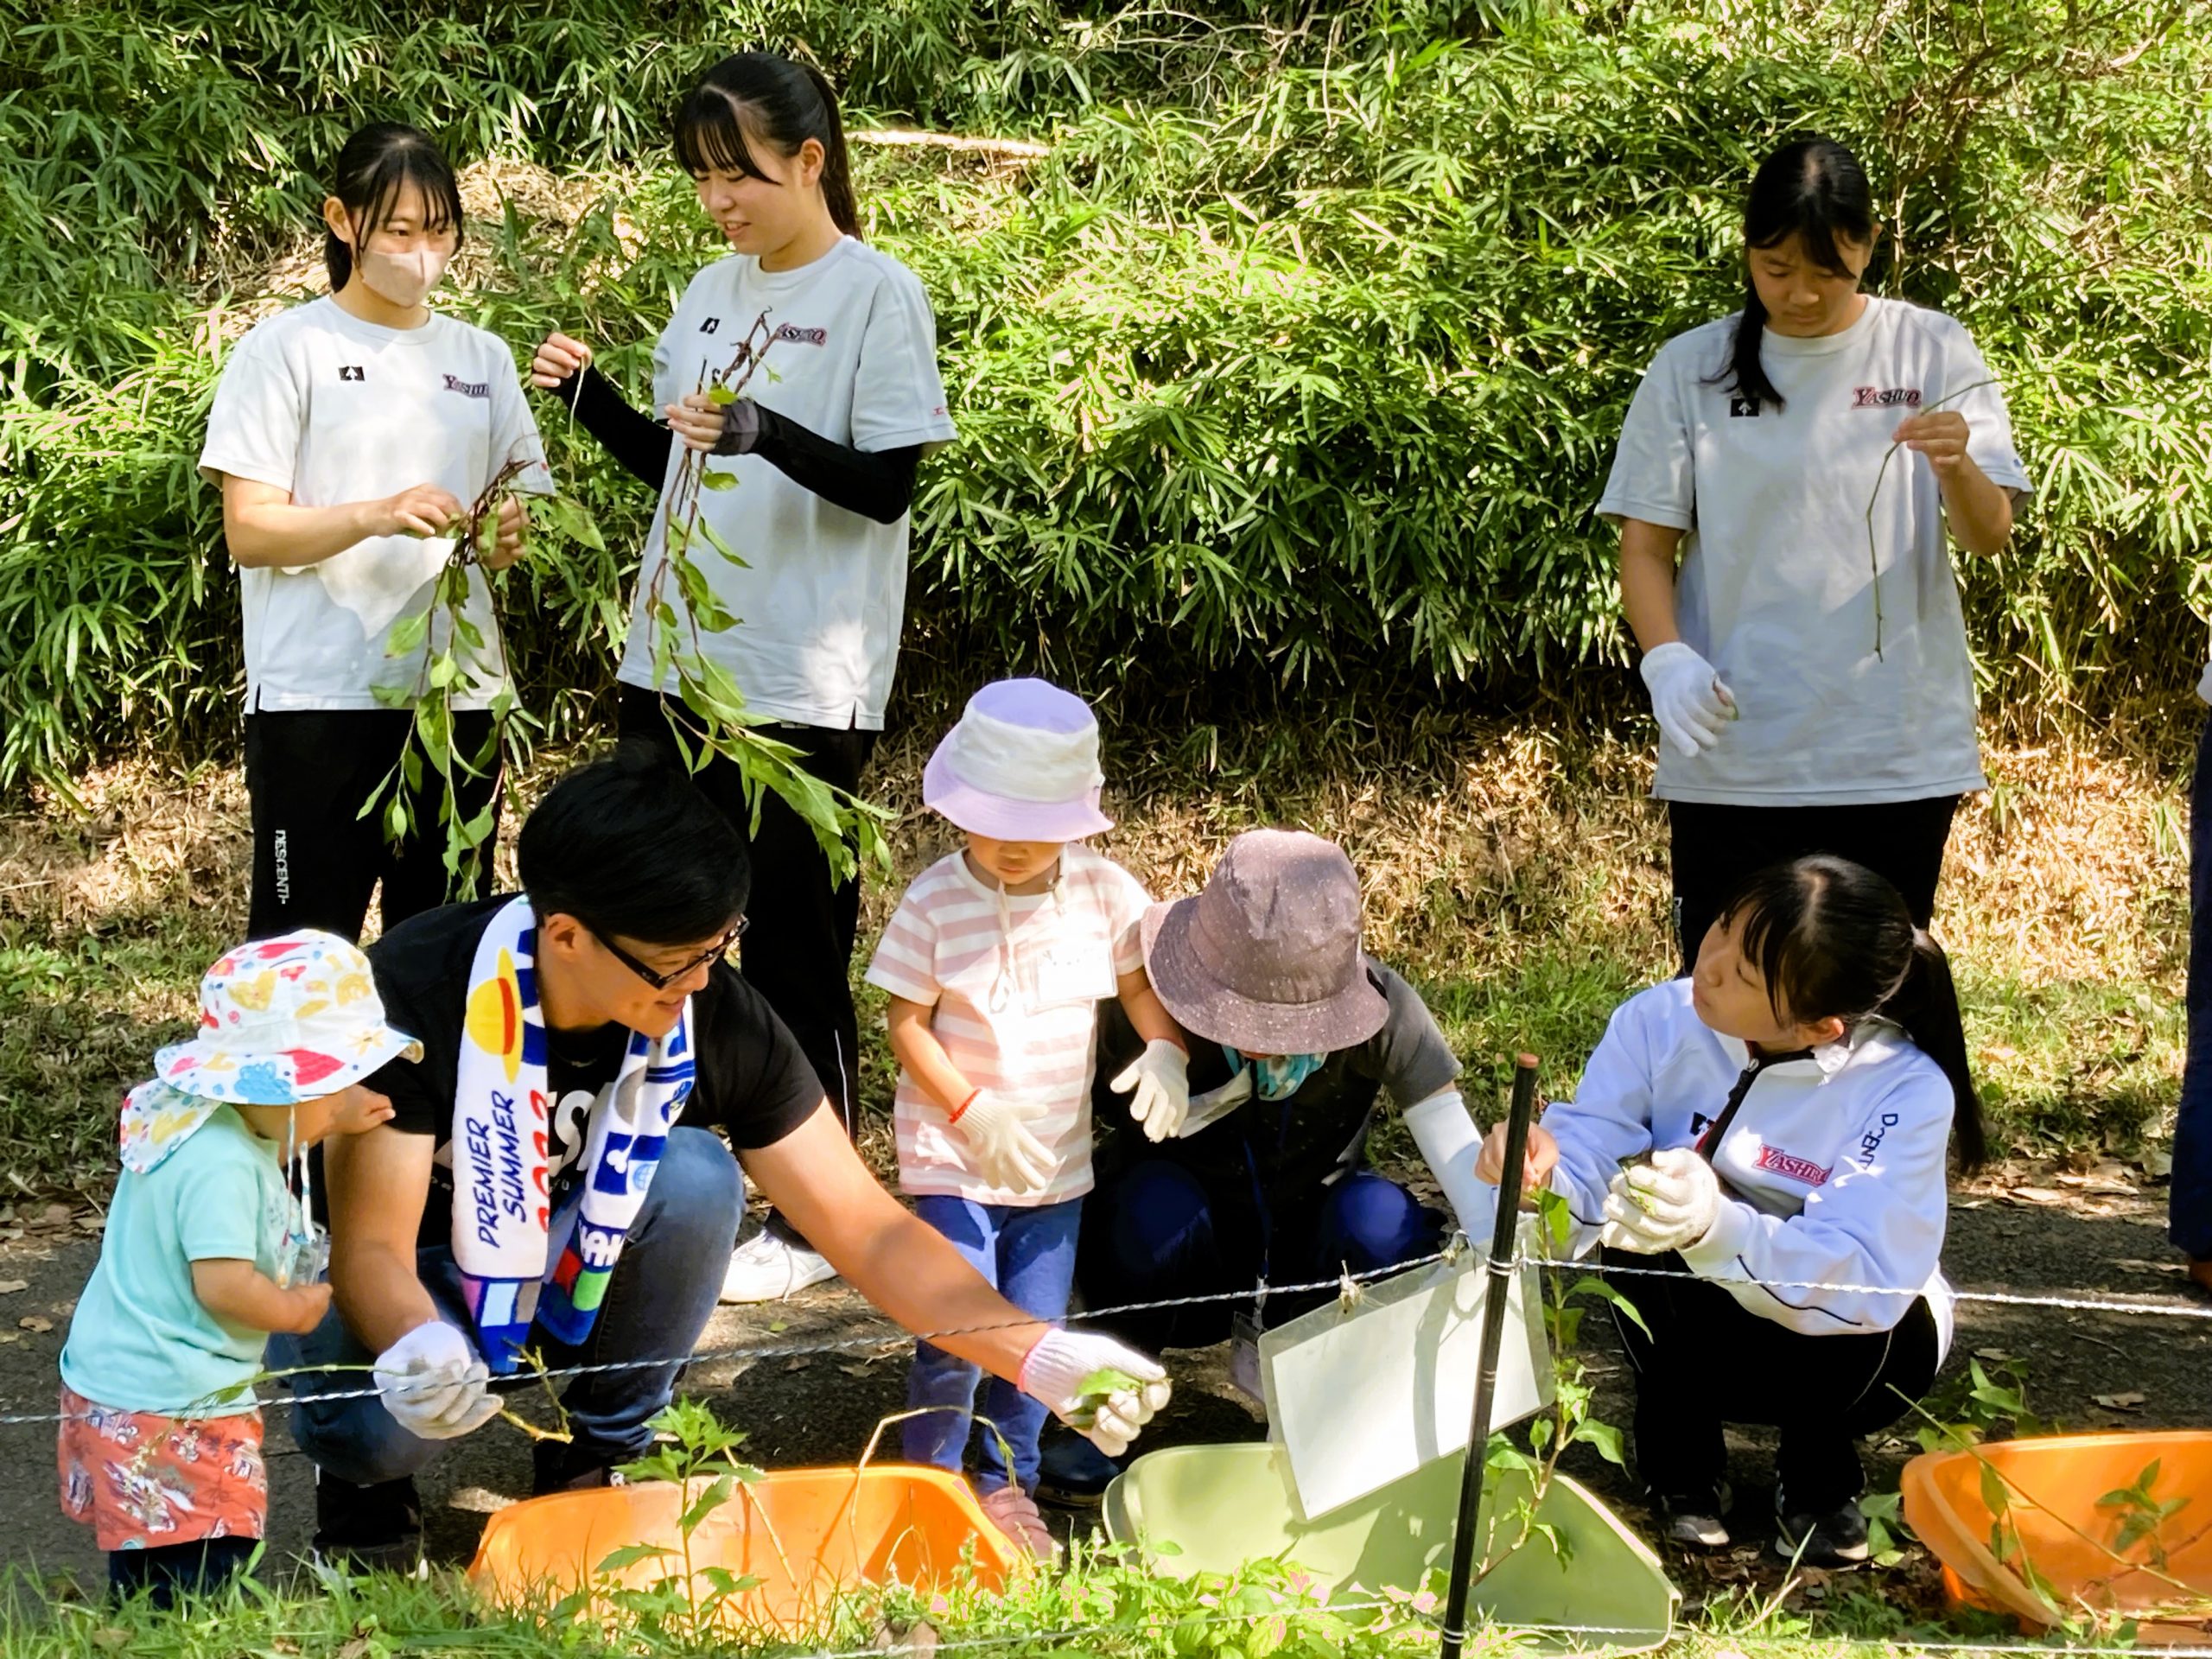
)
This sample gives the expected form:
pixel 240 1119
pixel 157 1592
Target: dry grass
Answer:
pixel 1517 875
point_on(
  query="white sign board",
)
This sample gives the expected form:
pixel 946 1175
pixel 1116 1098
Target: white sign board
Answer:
pixel 1361 1397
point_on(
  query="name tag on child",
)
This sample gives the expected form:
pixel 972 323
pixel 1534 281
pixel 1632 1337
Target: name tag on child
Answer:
pixel 1359 1397
pixel 1076 974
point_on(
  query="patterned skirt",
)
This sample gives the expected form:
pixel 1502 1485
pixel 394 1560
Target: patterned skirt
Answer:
pixel 141 1480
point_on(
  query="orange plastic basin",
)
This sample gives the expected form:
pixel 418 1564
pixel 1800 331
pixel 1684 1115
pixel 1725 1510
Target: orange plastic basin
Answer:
pixel 2052 1487
pixel 807 1535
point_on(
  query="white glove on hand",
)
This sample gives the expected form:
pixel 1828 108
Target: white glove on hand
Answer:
pixel 2204 685
pixel 1007 1150
pixel 1688 698
pixel 1666 1205
pixel 1159 1087
pixel 1054 1373
pixel 434 1384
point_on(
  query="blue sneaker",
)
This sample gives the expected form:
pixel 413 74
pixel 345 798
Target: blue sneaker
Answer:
pixel 1074 1473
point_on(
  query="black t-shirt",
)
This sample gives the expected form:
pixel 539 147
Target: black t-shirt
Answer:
pixel 1289 1149
pixel 753 1083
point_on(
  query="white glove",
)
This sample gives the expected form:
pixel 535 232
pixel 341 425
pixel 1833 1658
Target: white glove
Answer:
pixel 1159 1087
pixel 1688 698
pixel 1054 1373
pixel 2204 685
pixel 1007 1150
pixel 434 1384
pixel 1665 1204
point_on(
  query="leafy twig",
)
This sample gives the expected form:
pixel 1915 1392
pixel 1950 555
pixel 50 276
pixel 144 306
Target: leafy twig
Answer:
pixel 708 714
pixel 561 1431
pixel 1874 556
pixel 452 649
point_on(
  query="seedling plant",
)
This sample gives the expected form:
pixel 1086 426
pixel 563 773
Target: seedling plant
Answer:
pixel 698 1453
pixel 1569 1422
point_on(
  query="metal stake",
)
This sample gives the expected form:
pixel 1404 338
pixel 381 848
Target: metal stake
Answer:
pixel 1500 1276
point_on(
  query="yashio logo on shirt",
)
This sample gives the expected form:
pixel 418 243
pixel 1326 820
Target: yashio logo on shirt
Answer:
pixel 798 336
pixel 1788 1164
pixel 1886 398
pixel 469 388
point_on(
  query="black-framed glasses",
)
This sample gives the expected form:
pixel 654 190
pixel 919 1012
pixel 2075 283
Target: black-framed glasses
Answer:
pixel 661 981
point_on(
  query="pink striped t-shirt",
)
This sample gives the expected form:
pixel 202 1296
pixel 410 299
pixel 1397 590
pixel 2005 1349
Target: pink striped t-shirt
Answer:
pixel 1014 982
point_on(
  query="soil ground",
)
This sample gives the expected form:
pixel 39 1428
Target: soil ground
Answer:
pixel 2009 1234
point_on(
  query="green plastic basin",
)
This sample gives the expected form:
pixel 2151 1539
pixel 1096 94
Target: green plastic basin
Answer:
pixel 1221 1506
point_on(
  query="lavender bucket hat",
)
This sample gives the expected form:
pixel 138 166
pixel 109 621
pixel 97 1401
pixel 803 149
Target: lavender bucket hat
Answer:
pixel 1021 764
pixel 1267 958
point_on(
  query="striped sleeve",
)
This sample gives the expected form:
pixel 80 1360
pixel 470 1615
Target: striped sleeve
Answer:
pixel 904 962
pixel 1125 904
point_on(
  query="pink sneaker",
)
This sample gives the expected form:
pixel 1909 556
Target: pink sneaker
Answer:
pixel 1013 1512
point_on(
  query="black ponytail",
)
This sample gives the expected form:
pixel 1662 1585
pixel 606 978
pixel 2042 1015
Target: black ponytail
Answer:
pixel 1927 1006
pixel 784 104
pixel 1814 189
pixel 1832 939
pixel 377 162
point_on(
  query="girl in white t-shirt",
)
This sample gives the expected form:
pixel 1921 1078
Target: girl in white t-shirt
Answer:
pixel 827 439
pixel 996 962
pixel 1812 696
pixel 347 435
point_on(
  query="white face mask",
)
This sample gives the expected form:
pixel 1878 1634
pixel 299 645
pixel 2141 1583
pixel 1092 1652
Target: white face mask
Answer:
pixel 403 278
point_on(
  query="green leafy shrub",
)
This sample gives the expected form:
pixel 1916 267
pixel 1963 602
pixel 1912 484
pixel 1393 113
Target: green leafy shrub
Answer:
pixel 1297 361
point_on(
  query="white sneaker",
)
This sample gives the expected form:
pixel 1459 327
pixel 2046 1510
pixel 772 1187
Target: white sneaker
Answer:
pixel 765 1269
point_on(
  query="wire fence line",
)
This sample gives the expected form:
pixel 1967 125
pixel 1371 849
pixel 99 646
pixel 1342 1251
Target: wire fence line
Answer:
pixel 1346 1285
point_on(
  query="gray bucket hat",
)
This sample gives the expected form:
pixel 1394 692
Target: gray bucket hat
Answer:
pixel 1267 957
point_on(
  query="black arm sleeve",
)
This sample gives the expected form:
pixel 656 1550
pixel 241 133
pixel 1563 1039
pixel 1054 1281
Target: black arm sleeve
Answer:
pixel 878 485
pixel 638 442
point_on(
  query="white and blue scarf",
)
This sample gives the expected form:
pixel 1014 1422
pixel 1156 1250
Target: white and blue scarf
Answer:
pixel 520 1263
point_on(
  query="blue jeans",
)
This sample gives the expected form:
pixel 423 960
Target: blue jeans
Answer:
pixel 1157 1231
pixel 1028 1251
pixel 2189 1204
pixel 659 1299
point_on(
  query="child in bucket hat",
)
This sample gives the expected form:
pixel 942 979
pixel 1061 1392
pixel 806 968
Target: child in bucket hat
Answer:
pixel 207 1249
pixel 995 962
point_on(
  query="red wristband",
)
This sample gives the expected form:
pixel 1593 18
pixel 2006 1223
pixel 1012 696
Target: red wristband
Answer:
pixel 963 1105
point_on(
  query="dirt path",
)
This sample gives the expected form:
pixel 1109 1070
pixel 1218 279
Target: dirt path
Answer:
pixel 822 1408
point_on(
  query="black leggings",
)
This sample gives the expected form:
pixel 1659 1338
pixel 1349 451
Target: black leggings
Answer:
pixel 1715 848
pixel 316 859
pixel 166 1571
pixel 798 951
pixel 1709 1360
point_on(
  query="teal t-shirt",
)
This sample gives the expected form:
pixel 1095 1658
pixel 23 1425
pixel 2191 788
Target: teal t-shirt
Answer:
pixel 141 1340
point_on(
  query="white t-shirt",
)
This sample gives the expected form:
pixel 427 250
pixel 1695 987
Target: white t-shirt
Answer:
pixel 333 409
pixel 823 592
pixel 1776 588
pixel 1013 984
